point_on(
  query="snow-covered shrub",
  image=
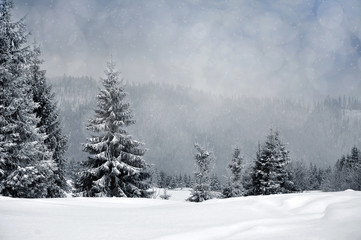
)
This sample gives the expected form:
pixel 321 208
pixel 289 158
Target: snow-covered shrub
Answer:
pixel 165 195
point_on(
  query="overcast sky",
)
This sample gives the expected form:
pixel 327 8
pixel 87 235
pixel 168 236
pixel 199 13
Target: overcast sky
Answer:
pixel 256 48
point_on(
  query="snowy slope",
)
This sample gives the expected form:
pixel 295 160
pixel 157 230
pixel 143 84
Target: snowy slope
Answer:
pixel 293 216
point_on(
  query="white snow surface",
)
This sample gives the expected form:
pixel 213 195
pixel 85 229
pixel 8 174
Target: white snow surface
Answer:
pixel 312 215
pixel 178 194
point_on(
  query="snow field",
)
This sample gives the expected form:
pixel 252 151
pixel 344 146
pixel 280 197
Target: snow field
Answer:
pixel 312 215
pixel 178 194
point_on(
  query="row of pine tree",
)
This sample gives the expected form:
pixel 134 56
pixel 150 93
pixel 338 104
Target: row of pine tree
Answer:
pixel 273 173
pixel 270 173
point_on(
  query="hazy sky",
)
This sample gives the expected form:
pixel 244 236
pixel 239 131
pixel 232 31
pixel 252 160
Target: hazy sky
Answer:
pixel 260 47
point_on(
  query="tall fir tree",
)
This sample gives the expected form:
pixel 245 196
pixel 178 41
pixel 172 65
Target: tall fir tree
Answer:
pixel 24 158
pixel 115 166
pixel 49 123
pixel 201 189
pixel 270 173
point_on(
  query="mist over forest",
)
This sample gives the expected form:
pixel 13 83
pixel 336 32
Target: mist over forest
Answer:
pixel 169 119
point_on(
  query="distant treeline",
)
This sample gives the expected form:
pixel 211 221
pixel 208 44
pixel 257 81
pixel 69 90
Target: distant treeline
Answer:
pixel 169 119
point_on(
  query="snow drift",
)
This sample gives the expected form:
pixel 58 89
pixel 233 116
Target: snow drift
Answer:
pixel 312 215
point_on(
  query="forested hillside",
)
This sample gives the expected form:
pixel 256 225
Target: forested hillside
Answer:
pixel 169 119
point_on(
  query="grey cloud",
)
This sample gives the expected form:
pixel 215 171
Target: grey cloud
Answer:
pixel 267 48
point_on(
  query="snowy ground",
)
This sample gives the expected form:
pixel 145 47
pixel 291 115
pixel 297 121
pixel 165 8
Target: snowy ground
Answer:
pixel 177 194
pixel 293 216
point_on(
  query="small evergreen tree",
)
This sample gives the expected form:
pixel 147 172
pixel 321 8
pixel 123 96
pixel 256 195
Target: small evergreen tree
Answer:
pixel 162 180
pixel 270 175
pixel 236 166
pixel 180 182
pixel 186 181
pixel 115 166
pixel 201 188
pixel 174 183
pixel 154 176
pixel 215 184
pixel 168 181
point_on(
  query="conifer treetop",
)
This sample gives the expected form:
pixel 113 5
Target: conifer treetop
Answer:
pixel 113 113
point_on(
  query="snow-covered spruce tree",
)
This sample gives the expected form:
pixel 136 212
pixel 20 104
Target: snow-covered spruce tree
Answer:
pixel 24 158
pixel 201 189
pixel 115 166
pixel 270 173
pixel 236 166
pixel 49 123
